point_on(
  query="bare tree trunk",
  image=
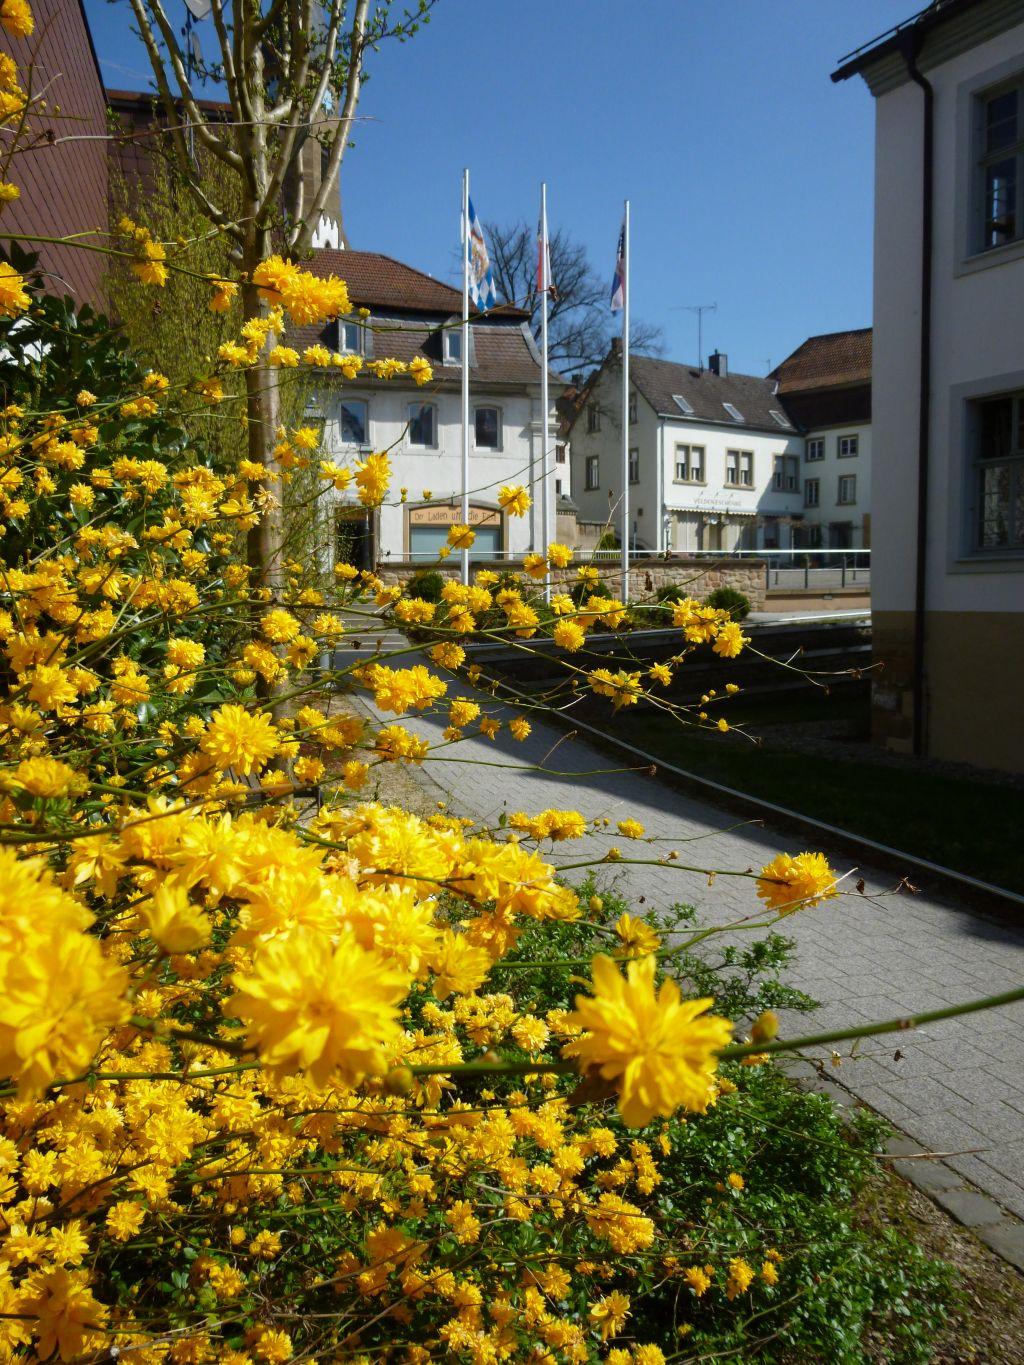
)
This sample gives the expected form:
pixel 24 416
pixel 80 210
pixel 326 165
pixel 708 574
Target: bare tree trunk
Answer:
pixel 263 409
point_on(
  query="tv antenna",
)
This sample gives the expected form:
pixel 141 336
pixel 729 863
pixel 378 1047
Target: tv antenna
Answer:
pixel 700 309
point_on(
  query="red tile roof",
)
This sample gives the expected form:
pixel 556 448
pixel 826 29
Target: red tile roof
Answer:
pixel 378 281
pixel 828 361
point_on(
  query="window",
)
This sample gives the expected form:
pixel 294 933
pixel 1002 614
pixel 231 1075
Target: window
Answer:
pixel 998 473
pixel 815 449
pixel 350 337
pixel 558 488
pixel 848 445
pixel 353 421
pixel 779 417
pixel 452 345
pixel 593 418
pixel 785 473
pixel 592 471
pixel 683 404
pixel 423 425
pixel 632 408
pixel 689 464
pixel 1000 165
pixel 847 489
pixel 739 468
pixel 634 465
pixel 488 428
pixel 559 454
pixel 812 492
pixel 733 412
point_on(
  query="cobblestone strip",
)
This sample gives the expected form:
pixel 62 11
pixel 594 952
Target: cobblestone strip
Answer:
pixel 954 1088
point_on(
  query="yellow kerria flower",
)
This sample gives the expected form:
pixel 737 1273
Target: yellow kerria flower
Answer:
pixel 13 299
pixel 328 1011
pixel 659 1050
pixel 237 739
pixel 515 499
pixel 790 883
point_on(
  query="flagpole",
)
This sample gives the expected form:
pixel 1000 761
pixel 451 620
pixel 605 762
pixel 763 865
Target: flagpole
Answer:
pixel 625 404
pixel 545 275
pixel 465 368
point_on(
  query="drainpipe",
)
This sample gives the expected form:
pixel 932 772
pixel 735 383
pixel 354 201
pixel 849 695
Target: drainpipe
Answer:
pixel 910 49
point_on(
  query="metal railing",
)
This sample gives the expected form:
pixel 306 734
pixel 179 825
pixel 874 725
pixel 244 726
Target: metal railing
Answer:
pixel 788 568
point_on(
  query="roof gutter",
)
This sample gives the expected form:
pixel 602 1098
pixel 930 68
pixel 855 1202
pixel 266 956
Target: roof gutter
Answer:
pixel 910 47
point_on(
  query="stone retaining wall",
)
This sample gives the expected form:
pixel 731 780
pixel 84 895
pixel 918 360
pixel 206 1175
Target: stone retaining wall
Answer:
pixel 699 576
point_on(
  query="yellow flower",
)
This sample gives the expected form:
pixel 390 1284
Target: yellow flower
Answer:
pixel 697 1278
pixel 535 565
pixel 58 997
pixel 659 1049
pixel 519 728
pixel 461 537
pixel 514 499
pixel 45 777
pixel 372 477
pixel 173 921
pixel 63 1307
pixel 631 829
pixel 124 1219
pixel 610 1314
pixel 568 635
pixel 13 299
pixel 730 640
pixel 16 18
pixel 560 556
pixel 739 1278
pixel 790 883
pixel 237 739
pixel 735 1180
pixel 638 938
pixel 623 688
pixel 769 1273
pixel 224 292
pixel 421 370
pixel 328 1011
pixel 149 265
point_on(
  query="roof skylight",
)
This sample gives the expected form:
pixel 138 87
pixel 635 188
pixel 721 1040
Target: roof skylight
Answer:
pixel 779 417
pixel 683 404
pixel 733 412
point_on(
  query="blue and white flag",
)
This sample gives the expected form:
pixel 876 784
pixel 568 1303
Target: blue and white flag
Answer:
pixel 481 281
pixel 619 282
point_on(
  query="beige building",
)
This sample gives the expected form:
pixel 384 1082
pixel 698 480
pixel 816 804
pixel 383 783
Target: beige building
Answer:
pixel 947 506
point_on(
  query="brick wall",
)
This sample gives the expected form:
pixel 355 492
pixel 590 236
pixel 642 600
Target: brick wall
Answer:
pixel 62 171
pixel 697 575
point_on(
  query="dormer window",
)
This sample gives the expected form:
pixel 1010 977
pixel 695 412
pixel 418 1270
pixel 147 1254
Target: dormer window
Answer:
pixel 351 337
pixel 452 342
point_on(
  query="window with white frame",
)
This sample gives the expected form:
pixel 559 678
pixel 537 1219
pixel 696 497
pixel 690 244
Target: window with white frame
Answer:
pixel 785 473
pixel 848 446
pixel 487 425
pixel 815 448
pixel 998 472
pixel 733 411
pixel 634 465
pixel 350 337
pixel 632 408
pixel 593 418
pixel 423 425
pixel 999 133
pixel 354 426
pixel 739 468
pixel 689 464
pixel 452 344
pixel 592 471
pixel 847 492
pixel 812 492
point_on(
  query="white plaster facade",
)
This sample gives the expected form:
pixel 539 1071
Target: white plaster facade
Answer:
pixel 836 479
pixel 410 528
pixel 715 511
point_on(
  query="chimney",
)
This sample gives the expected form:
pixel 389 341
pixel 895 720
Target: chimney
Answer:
pixel 718 364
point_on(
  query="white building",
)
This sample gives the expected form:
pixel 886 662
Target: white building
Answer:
pixel 411 314
pixel 825 387
pixel 716 463
pixel 948 380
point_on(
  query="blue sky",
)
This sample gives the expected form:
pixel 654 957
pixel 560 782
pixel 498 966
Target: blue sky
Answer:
pixel 749 173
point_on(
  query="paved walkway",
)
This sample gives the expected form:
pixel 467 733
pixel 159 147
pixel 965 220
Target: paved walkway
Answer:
pixel 957 1088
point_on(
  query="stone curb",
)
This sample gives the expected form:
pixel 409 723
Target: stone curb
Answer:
pixel 1000 1231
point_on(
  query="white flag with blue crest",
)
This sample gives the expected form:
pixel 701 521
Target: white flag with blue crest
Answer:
pixel 481 281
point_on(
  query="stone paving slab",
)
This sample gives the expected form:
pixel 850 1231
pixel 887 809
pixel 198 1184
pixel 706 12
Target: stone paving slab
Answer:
pixel 955 1087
